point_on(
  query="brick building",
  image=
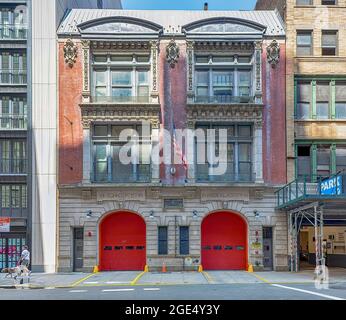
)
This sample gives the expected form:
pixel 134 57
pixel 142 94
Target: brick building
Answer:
pixel 174 70
pixel 316 127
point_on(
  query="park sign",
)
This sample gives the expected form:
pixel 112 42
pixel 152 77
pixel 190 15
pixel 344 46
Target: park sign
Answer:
pixel 5 224
pixel 331 186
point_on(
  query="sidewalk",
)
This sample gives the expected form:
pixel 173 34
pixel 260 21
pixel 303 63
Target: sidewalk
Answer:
pixel 137 278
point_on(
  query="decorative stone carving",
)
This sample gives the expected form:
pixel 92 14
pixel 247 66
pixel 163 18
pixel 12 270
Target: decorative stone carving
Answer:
pixel 217 113
pixel 70 53
pixel 224 195
pixel 121 195
pixel 172 53
pixel 121 45
pixel 258 71
pixel 222 46
pixel 189 48
pixel 126 113
pixel 154 49
pixel 86 68
pixel 273 53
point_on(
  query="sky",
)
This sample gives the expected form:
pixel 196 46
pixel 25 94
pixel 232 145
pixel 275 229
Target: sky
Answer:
pixel 188 4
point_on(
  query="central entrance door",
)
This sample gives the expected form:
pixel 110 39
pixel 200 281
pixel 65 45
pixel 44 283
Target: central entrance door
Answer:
pixel 224 242
pixel 122 242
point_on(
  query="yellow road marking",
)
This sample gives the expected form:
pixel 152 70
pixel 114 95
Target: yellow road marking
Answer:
pixel 259 277
pixel 208 277
pixel 135 280
pixel 83 279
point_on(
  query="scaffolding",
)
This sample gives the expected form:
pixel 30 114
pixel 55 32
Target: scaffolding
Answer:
pixel 313 214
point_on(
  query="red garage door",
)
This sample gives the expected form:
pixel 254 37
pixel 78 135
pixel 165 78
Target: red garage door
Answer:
pixel 122 242
pixel 224 244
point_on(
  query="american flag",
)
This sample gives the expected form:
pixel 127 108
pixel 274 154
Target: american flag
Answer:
pixel 178 149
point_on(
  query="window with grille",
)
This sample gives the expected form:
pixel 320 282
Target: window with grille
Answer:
pixel 184 240
pixel 162 240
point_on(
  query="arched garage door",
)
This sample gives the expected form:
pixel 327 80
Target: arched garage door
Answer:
pixel 224 242
pixel 122 242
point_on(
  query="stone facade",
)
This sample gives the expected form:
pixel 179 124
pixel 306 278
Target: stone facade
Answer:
pixel 75 202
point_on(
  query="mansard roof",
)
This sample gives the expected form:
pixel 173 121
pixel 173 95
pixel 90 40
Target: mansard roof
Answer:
pixel 172 22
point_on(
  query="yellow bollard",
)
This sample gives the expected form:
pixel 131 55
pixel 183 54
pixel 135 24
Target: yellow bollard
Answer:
pixel 250 268
pixel 96 269
pixel 146 268
pixel 200 268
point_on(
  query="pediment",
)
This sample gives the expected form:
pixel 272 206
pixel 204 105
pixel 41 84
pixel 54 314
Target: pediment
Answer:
pixel 225 26
pixel 119 25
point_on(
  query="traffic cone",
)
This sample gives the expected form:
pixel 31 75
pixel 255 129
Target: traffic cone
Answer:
pixel 200 268
pixel 250 268
pixel 96 269
pixel 164 269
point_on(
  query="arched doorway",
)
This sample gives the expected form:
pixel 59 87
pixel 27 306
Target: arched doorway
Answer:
pixel 224 241
pixel 122 242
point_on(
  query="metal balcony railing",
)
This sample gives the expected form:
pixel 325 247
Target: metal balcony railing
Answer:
pixel 13 32
pixel 223 99
pixel 13 76
pixel 304 188
pixel 13 121
pixel 206 174
pixel 125 99
pixel 124 174
pixel 13 166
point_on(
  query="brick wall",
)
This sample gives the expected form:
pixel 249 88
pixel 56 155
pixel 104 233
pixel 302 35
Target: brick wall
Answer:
pixel 70 129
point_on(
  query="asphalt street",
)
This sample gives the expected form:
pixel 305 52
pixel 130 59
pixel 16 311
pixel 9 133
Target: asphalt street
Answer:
pixel 256 291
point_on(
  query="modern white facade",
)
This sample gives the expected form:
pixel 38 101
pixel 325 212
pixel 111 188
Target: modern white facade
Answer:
pixel 45 18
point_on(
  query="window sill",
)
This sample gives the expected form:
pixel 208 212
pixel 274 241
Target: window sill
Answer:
pixel 320 120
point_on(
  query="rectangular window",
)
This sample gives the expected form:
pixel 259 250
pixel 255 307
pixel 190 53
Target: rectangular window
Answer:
pixel 329 43
pixel 223 78
pixel 340 100
pixel 13 112
pixel 322 100
pixel 233 156
pixel 184 240
pixel 114 163
pixel 304 2
pixel 303 100
pixel 304 161
pixel 121 78
pixel 13 157
pixel 304 43
pixel 163 240
pixel 13 196
pixel 323 161
pixel 328 2
pixel 340 155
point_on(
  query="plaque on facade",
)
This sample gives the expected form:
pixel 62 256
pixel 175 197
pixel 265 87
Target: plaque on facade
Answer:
pixel 121 195
pixel 225 195
pixel 173 203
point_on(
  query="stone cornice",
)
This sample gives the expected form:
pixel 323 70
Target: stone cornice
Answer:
pixel 96 112
pixel 121 45
pixel 228 112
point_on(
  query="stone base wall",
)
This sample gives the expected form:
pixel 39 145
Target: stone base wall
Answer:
pixel 75 203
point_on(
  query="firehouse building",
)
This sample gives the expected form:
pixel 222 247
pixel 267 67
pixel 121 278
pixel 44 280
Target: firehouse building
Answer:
pixel 173 70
